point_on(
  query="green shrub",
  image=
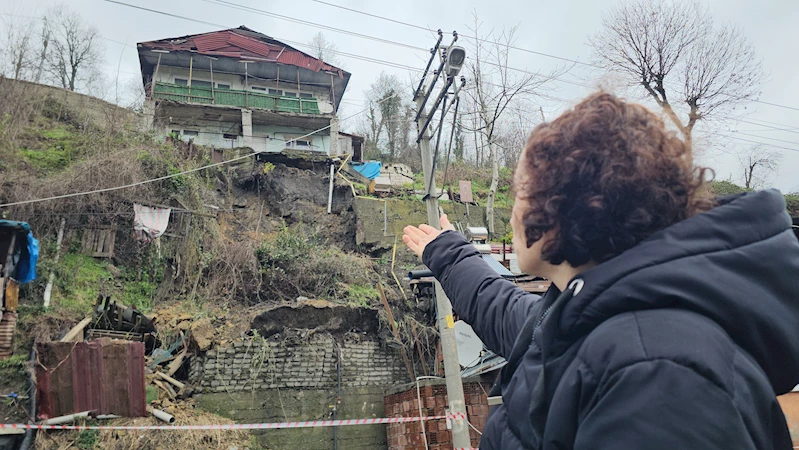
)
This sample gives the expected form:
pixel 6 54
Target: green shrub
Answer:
pixel 295 262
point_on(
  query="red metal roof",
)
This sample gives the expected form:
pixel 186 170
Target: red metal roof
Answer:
pixel 243 43
pixel 104 376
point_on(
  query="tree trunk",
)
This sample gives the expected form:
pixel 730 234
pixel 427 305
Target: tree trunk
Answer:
pixel 45 42
pixel 492 191
pixel 72 78
pixel 685 131
pixel 18 65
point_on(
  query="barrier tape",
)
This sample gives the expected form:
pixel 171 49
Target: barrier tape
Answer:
pixel 235 426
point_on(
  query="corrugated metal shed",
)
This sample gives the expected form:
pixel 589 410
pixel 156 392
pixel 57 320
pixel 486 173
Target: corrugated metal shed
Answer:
pixel 243 43
pixel 104 375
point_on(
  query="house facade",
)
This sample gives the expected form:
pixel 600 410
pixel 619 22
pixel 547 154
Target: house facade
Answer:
pixel 240 88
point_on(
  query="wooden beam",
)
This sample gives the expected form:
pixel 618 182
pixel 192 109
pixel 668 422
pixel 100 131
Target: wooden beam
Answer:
pixel 76 333
pixel 176 363
pixel 166 377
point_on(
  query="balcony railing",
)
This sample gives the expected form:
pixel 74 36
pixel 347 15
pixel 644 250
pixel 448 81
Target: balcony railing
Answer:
pixel 234 97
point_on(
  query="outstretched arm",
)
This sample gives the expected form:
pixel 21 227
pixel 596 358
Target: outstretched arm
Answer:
pixel 496 308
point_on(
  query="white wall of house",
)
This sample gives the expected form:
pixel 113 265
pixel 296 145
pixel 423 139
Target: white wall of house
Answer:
pixel 266 138
pixel 169 74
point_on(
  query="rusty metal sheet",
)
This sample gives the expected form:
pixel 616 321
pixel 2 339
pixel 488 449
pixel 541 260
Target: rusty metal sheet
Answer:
pixel 465 190
pixel 104 375
pixel 7 326
pixel 242 43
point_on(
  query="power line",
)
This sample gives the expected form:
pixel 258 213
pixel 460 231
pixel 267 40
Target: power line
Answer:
pixel 763 137
pixel 777 105
pixel 300 44
pixel 312 24
pixel 362 36
pixel 374 60
pixel 755 142
pixel 185 172
pixel 526 50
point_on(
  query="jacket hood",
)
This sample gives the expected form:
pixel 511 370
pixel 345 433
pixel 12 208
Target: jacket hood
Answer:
pixel 737 264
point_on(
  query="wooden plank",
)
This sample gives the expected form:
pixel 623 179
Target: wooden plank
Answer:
pixel 76 333
pixel 166 377
pixel 175 365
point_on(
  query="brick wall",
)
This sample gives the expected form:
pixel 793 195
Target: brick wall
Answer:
pixel 409 436
pixel 256 363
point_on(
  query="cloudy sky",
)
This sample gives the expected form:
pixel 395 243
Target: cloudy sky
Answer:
pixel 558 28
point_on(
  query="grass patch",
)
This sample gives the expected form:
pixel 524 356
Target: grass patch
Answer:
pixel 296 262
pixel 80 279
pixel 362 296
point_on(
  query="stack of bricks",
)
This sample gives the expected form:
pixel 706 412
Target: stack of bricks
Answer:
pixel 410 436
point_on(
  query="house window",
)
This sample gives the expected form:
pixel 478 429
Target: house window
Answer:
pixel 189 134
pixel 181 82
pixel 200 83
pixel 306 95
pixel 298 143
pixel 258 88
pixel 222 86
pixel 289 94
pixel 275 92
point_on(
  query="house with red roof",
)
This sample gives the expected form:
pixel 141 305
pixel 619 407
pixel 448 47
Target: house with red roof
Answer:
pixel 240 88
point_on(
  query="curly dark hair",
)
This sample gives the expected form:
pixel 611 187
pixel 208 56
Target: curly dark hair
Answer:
pixel 605 175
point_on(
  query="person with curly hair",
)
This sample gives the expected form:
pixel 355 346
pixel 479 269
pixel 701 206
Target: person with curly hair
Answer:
pixel 673 317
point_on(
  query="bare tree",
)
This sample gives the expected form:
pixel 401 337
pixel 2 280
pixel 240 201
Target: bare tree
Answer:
pixel 323 49
pixel 16 48
pixel 496 87
pixel 757 164
pixel 388 117
pixel 674 51
pixel 75 50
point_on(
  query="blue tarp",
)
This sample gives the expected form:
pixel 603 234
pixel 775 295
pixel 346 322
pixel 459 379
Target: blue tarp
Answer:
pixel 28 250
pixel 369 169
pixel 26 270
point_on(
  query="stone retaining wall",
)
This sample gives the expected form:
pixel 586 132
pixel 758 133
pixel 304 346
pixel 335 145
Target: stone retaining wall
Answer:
pixel 256 363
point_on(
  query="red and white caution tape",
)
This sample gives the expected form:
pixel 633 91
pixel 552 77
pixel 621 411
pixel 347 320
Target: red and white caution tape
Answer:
pixel 235 426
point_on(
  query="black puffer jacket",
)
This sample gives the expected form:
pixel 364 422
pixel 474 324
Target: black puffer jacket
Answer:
pixel 681 342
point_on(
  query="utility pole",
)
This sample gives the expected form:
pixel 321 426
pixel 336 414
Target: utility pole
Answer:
pixel 446 324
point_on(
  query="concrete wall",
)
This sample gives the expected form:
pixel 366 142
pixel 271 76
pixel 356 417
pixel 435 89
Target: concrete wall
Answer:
pixel 268 380
pixel 266 138
pixel 168 74
pixel 400 213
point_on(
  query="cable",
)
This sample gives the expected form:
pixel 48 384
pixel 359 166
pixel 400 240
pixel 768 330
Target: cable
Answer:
pixel 762 137
pixel 300 44
pixel 464 36
pixel 312 24
pixel 185 172
pixel 754 142
pixel 777 105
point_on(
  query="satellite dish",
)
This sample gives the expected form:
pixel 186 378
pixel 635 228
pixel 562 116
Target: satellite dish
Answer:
pixel 469 345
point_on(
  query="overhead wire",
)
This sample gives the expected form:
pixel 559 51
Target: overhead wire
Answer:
pixel 526 50
pixel 300 44
pixel 396 65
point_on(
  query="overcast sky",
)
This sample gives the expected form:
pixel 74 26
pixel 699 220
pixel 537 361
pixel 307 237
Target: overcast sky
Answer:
pixel 555 27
